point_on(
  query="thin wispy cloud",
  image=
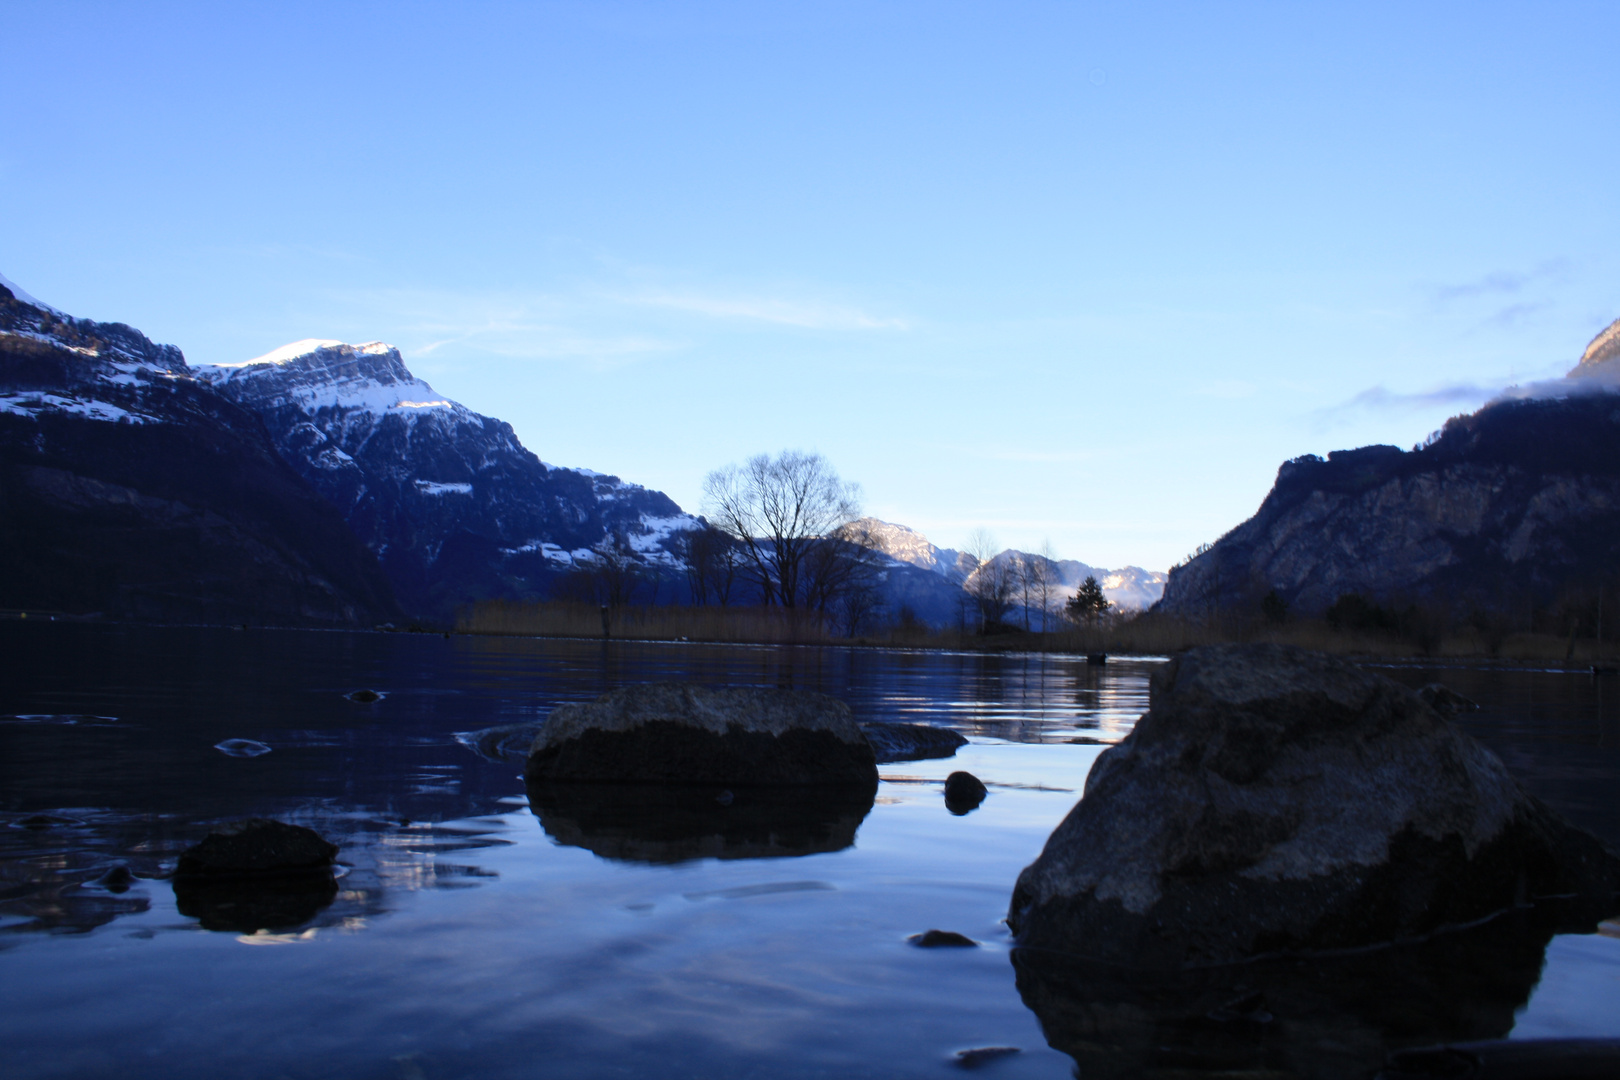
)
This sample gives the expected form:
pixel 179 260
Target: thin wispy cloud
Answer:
pixel 807 314
pixel 1503 282
pixel 1383 399
pixel 538 326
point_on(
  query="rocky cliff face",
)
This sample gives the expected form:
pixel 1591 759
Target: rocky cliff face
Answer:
pixel 130 489
pixel 1512 503
pixel 451 503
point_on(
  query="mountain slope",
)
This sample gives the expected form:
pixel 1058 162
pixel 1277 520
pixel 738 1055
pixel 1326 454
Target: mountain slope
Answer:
pixel 451 503
pixel 1506 506
pixel 128 488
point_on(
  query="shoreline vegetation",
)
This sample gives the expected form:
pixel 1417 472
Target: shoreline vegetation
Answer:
pixel 1145 633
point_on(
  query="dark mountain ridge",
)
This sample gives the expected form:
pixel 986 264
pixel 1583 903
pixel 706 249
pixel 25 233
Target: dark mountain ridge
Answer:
pixel 1509 506
pixel 130 490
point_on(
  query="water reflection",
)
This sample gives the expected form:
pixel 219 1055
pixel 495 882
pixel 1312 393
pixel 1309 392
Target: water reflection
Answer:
pixel 647 823
pixel 245 905
pixel 1327 1018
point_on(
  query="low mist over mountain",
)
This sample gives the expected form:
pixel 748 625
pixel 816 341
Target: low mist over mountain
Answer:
pixel 1515 504
pixel 130 489
pixel 451 503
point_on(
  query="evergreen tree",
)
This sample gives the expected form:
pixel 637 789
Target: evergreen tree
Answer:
pixel 1088 602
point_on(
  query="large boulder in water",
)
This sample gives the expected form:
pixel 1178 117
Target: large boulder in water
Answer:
pixel 675 733
pixel 1276 800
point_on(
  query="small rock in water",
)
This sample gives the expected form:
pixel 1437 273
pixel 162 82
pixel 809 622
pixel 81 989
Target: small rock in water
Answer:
pixel 364 697
pixel 241 748
pixel 963 792
pixel 946 939
pixel 1097 658
pixel 725 798
pixel 1446 701
pixel 983 1055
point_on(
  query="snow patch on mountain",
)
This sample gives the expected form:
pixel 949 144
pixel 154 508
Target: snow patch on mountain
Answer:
pixel 905 544
pixel 31 405
pixel 317 373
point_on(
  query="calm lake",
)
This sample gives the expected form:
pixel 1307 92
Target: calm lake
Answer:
pixel 470 937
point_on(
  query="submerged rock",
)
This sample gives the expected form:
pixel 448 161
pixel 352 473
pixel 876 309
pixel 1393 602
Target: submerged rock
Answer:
pixel 963 792
pixel 732 737
pixel 911 742
pixel 653 823
pixel 1276 800
pixel 366 697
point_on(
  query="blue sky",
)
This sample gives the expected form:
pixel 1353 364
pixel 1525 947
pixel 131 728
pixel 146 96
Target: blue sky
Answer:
pixel 1078 272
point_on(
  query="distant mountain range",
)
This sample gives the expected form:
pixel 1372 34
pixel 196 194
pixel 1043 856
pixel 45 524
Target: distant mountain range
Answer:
pixel 324 484
pixel 1514 505
pixel 1129 588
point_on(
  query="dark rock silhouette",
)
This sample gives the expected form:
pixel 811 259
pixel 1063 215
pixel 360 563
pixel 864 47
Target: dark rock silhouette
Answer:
pixel 1275 800
pixel 650 823
pixel 732 737
pixel 963 792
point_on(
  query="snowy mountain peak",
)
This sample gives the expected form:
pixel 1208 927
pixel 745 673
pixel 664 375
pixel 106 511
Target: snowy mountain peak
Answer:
pixel 905 544
pixel 17 292
pixel 1602 356
pixel 310 346
pixel 318 373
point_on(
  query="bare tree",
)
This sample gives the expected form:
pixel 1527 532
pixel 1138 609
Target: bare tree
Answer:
pixel 780 511
pixel 1023 573
pixel 990 584
pixel 610 575
pixel 1045 579
pixel 712 562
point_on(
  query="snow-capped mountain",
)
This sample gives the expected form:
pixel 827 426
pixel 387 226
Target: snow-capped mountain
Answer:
pixel 1129 588
pixel 907 545
pixel 130 489
pixel 453 505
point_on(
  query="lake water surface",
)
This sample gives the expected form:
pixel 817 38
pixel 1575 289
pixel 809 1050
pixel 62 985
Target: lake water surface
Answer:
pixel 471 938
